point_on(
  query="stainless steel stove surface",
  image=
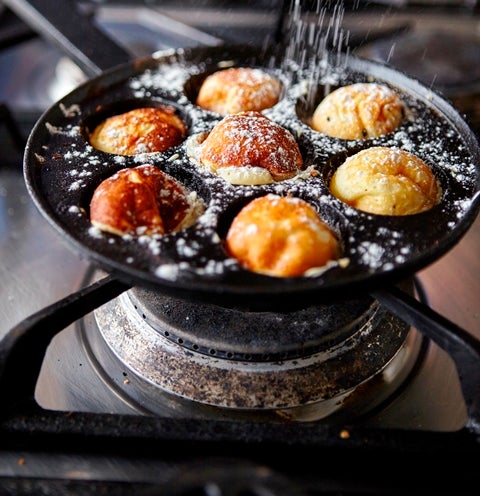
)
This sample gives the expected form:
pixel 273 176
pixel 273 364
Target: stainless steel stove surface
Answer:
pixel 175 445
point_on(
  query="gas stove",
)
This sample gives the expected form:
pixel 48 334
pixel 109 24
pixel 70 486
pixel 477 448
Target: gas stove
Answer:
pixel 89 415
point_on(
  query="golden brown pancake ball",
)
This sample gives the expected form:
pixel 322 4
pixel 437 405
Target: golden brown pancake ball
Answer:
pixel 359 111
pixel 387 181
pixel 239 89
pixel 141 130
pixel 264 150
pixel 280 236
pixel 143 201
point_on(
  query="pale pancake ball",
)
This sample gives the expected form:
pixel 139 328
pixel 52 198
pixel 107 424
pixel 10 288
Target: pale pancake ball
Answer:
pixel 359 111
pixel 386 181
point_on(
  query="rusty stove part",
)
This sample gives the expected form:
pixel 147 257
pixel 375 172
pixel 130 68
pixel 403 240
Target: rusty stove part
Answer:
pixel 343 361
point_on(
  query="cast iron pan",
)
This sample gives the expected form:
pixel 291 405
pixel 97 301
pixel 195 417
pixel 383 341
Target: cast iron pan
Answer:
pixel 62 171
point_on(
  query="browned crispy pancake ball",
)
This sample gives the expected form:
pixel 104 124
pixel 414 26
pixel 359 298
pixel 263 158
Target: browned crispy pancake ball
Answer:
pixel 249 148
pixel 143 201
pixel 142 130
pixel 359 111
pixel 386 181
pixel 280 237
pixel 239 89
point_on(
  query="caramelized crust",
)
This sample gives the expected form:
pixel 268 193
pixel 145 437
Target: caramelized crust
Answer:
pixel 359 111
pixel 388 181
pixel 250 139
pixel 239 89
pixel 280 237
pixel 142 130
pixel 141 200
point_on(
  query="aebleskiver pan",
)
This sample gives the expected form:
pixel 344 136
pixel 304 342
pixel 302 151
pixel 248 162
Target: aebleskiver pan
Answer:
pixel 62 170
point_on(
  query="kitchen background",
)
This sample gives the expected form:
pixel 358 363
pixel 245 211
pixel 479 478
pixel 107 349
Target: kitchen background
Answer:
pixel 436 42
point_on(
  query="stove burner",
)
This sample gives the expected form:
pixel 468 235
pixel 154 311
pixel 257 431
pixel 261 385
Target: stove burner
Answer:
pixel 344 358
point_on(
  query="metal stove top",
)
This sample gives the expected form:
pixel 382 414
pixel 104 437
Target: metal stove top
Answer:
pixel 40 269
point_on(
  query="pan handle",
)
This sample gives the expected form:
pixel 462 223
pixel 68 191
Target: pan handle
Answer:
pixel 462 347
pixel 23 348
pixel 71 29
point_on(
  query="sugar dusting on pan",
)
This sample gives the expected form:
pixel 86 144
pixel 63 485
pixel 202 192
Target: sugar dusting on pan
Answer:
pixel 370 243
